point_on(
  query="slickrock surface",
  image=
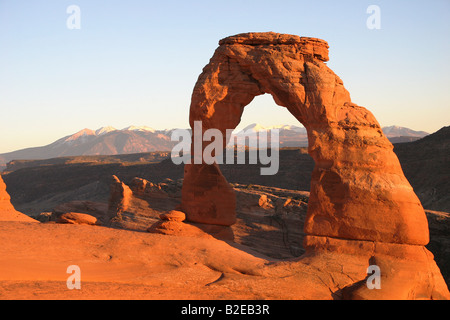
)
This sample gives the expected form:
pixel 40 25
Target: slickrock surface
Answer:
pixel 269 220
pixel 179 260
pixel 123 264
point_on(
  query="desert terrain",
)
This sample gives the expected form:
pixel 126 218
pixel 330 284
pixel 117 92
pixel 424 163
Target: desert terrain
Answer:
pixel 140 227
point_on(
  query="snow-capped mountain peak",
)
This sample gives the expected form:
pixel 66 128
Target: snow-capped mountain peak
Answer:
pixel 139 128
pixel 104 130
pixel 108 140
pixel 396 131
pixel 288 127
pixel 255 127
pixel 82 134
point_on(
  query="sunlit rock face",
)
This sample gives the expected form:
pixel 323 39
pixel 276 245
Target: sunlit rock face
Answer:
pixel 362 211
pixel 358 190
pixel 7 211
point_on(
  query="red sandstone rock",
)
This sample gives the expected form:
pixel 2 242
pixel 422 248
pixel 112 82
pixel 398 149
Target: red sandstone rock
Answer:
pixel 176 228
pixel 264 202
pixel 77 218
pixel 207 197
pixel 358 190
pixel 361 208
pixel 173 215
pixel 146 189
pixel 138 185
pixel 196 230
pixel 7 211
pixel 408 272
pixel 96 209
pixel 119 200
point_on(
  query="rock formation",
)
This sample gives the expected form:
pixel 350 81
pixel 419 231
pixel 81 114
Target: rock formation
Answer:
pixel 355 166
pixel 439 223
pixel 95 209
pixel 78 218
pixel 143 188
pixel 139 204
pixel 360 202
pixel 119 200
pixel 7 211
pixel 173 215
pixel 171 223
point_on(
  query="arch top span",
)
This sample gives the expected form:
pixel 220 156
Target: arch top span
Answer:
pixel 288 67
pixel 358 190
pixel 306 45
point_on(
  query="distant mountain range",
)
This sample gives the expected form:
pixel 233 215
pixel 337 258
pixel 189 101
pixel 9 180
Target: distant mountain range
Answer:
pixel 397 134
pixel 396 131
pixel 139 139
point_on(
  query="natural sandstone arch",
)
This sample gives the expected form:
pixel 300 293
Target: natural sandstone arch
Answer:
pixel 358 190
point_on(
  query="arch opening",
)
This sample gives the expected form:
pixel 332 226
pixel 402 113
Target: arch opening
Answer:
pixel 270 209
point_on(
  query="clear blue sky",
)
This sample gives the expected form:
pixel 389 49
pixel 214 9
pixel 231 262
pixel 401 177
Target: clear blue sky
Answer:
pixel 136 62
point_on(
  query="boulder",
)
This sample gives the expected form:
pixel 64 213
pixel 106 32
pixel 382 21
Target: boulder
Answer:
pixel 78 218
pixel 96 209
pixel 173 215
